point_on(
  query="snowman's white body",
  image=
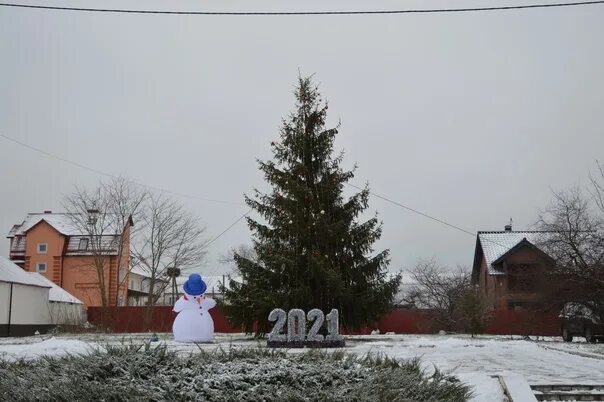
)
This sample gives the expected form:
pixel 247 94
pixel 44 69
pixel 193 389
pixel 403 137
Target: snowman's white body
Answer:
pixel 193 322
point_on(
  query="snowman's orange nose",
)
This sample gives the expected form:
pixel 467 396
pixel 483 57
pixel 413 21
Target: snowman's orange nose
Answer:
pixel 198 300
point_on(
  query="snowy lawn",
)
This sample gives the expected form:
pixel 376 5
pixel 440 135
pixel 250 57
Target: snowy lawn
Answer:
pixel 473 361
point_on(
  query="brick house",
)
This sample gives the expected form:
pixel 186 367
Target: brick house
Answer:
pixel 53 245
pixel 506 265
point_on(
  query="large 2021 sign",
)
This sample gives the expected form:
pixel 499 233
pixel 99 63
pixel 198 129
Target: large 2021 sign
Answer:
pixel 296 336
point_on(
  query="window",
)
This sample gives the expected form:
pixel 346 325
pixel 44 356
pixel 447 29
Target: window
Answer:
pixel 522 277
pixel 42 248
pixel 132 284
pixel 83 244
pixel 41 267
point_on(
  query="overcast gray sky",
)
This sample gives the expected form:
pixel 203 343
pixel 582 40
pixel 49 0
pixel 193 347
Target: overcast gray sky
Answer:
pixel 470 117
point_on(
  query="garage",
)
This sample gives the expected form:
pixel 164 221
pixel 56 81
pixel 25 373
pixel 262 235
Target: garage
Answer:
pixel 24 302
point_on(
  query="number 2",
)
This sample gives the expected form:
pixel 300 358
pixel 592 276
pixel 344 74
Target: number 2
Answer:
pixel 318 316
pixel 277 333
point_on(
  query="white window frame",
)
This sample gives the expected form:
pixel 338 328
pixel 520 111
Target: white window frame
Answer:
pixel 45 248
pixel 39 264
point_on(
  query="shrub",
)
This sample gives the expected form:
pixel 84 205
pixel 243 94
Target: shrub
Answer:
pixel 156 374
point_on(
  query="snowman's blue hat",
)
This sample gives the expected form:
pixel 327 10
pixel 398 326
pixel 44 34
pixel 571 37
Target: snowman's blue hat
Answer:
pixel 195 286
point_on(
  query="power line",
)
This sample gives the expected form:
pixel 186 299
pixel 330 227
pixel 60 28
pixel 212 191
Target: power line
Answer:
pixel 416 211
pixel 289 13
pixel 100 172
pixel 207 244
pixel 227 229
pixel 425 215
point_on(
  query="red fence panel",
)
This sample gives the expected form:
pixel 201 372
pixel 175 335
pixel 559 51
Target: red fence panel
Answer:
pixel 398 320
pixel 406 321
pixel 510 322
pixel 132 319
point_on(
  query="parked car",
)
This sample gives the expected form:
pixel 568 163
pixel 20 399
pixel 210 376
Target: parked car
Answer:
pixel 579 320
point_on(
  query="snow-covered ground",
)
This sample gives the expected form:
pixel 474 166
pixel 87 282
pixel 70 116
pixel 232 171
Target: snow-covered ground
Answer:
pixel 475 361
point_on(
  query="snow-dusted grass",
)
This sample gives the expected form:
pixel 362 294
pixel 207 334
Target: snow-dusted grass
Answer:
pixel 143 372
pixel 474 361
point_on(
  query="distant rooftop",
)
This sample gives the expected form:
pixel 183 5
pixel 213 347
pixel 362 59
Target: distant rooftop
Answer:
pixel 496 243
pixel 61 222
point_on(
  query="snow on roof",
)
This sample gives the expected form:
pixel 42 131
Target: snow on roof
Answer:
pixel 496 244
pixel 12 273
pixel 62 222
pixel 13 230
pixel 56 293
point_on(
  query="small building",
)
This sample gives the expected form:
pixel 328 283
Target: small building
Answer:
pixel 24 304
pixel 65 309
pixel 506 264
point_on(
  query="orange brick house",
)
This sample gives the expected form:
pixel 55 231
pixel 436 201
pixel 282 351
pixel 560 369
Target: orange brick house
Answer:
pixel 53 245
pixel 505 267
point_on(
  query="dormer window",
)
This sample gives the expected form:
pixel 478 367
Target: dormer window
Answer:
pixel 42 248
pixel 83 244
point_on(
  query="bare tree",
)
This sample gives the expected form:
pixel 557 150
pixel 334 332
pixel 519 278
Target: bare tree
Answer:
pixel 597 187
pixel 439 290
pixel 103 217
pixel 243 250
pixel 171 237
pixel 574 238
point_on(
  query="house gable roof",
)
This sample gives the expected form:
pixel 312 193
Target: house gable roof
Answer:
pixel 494 246
pixel 61 222
pixel 65 224
pixel 41 221
pixel 524 243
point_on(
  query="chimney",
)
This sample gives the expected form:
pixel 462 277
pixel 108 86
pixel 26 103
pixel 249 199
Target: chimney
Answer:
pixel 508 227
pixel 48 212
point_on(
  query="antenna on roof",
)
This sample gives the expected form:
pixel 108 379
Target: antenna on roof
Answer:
pixel 508 227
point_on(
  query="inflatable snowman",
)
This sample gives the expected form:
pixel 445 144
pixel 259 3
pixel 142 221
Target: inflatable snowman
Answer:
pixel 193 322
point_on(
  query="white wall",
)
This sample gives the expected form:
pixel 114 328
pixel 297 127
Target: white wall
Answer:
pixel 4 302
pixel 30 305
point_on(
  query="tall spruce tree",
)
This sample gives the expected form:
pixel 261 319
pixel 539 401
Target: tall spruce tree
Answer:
pixel 311 251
